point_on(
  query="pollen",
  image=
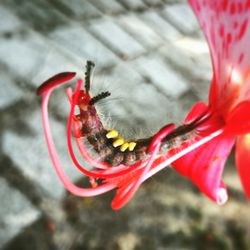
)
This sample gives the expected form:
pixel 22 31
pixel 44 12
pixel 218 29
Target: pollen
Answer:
pixel 112 134
pixel 124 146
pixel 131 146
pixel 118 142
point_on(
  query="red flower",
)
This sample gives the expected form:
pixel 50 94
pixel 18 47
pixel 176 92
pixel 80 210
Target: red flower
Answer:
pixel 225 26
pixel 199 148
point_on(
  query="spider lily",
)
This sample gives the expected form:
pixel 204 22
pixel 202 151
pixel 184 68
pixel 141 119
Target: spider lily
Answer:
pixel 214 128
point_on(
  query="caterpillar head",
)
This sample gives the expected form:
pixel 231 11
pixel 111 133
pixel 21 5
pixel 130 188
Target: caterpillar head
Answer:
pixel 83 100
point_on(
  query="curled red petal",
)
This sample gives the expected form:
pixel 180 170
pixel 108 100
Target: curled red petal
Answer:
pixel 54 81
pixel 238 120
pixel 242 156
pixel 197 110
pixel 204 166
pixel 204 119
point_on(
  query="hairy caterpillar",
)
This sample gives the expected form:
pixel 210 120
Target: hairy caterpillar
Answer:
pixel 108 145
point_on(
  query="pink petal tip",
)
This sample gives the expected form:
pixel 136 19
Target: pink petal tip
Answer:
pixel 221 196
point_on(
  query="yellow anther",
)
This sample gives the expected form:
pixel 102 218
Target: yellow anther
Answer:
pixel 131 146
pixel 124 146
pixel 112 134
pixel 118 142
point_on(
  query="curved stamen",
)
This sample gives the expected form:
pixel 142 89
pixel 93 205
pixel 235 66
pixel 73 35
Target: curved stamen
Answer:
pixel 54 81
pixel 153 166
pixel 160 136
pixel 163 162
pixel 154 146
pixel 83 192
pixel 69 141
pixel 127 194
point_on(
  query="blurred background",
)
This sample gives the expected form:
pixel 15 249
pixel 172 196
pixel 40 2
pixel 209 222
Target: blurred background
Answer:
pixel 151 55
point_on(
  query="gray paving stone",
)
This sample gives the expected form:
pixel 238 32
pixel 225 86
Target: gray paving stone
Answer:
pixel 108 7
pixel 115 37
pixel 198 51
pixel 136 108
pixel 148 104
pixel 9 91
pixel 182 17
pixel 83 46
pixel 53 62
pixel 130 97
pixel 120 80
pixel 32 157
pixel 153 2
pixel 30 56
pixel 14 53
pixel 194 65
pixel 8 21
pixel 140 31
pixel 161 26
pixel 38 14
pixel 16 212
pixel 80 9
pixel 133 4
pixel 162 75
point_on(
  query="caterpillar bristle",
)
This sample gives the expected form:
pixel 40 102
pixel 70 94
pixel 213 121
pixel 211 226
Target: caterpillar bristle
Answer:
pixel 99 97
pixel 89 67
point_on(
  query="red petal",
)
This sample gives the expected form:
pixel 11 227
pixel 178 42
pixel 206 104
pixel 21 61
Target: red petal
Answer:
pixel 197 110
pixel 204 166
pixel 225 24
pixel 208 122
pixel 54 81
pixel 243 161
pixel 238 120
